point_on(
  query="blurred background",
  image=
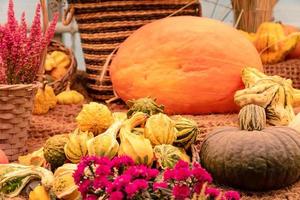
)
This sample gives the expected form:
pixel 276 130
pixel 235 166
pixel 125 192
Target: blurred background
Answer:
pixel 286 11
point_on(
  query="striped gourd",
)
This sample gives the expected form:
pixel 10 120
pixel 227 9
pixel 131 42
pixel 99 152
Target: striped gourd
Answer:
pixel 252 117
pixel 168 155
pixel 187 130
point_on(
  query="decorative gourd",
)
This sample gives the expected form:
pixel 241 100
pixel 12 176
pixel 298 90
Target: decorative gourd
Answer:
pixel 187 130
pixel 40 105
pixel 58 72
pixel 39 193
pixel 119 116
pixel 76 147
pixel 135 146
pixel 106 143
pixel 272 42
pixel 54 150
pixel 160 129
pixel 35 158
pixel 64 186
pixel 50 96
pixel 15 177
pixel 273 93
pixel 69 96
pixel 62 60
pixel 145 105
pixel 167 155
pixel 289 29
pixel 191 65
pixel 252 160
pixel 3 158
pixel 94 117
pixel 44 100
pixel 49 63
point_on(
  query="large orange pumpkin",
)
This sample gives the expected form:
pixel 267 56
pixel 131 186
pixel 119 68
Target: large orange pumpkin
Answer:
pixel 192 65
pixel 288 30
pixel 3 158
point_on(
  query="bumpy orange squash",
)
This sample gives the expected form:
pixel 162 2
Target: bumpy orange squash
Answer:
pixel 191 65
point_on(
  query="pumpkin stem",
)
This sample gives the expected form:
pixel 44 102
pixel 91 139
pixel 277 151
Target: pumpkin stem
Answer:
pixel 252 118
pixel 68 86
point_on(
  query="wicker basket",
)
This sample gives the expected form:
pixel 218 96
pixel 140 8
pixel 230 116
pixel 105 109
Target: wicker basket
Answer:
pixel 61 84
pixel 287 69
pixel 16 103
pixel 104 24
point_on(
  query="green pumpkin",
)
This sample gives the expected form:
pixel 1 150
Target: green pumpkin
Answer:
pixel 252 160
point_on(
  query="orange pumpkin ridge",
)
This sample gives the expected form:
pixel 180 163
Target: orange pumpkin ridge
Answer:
pixel 192 65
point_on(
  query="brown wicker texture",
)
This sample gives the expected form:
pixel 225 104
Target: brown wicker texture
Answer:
pixel 16 103
pixel 104 24
pixel 61 84
pixel 287 69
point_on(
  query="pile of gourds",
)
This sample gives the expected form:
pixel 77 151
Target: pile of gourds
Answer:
pixel 45 98
pixel 144 133
pixel 275 42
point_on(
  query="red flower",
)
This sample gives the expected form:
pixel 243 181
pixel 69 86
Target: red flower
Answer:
pixel 181 192
pixel 232 195
pixel 116 196
pixel 182 174
pixel 157 186
pixel 212 192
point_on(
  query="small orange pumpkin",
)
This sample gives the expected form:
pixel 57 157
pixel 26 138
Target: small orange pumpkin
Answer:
pixel 288 29
pixel 192 65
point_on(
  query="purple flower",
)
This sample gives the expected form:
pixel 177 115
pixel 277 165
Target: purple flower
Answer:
pixel 101 183
pixel 152 173
pixel 232 195
pixel 116 196
pixel 181 164
pixel 84 186
pixel 168 174
pixel 122 161
pixel 141 184
pixel 181 192
pixel 119 183
pixel 212 192
pixel 91 197
pixel 198 187
pixel 201 175
pixel 157 186
pixel 182 174
pixel 103 170
pixel 131 190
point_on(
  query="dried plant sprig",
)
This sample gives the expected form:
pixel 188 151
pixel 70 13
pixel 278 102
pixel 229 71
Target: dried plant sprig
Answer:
pixel 20 52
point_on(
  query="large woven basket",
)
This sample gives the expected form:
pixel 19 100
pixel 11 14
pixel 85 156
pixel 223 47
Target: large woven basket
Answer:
pixel 16 103
pixel 61 84
pixel 287 69
pixel 104 24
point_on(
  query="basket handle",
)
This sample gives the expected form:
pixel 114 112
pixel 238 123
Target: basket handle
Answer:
pixel 106 66
pixel 68 15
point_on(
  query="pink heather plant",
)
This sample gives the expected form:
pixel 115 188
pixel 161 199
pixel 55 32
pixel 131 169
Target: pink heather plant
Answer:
pixel 120 178
pixel 20 53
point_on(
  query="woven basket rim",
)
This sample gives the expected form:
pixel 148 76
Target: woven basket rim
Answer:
pixel 18 86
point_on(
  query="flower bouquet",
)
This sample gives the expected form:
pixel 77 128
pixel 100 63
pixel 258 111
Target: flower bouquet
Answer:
pixel 20 61
pixel 120 178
